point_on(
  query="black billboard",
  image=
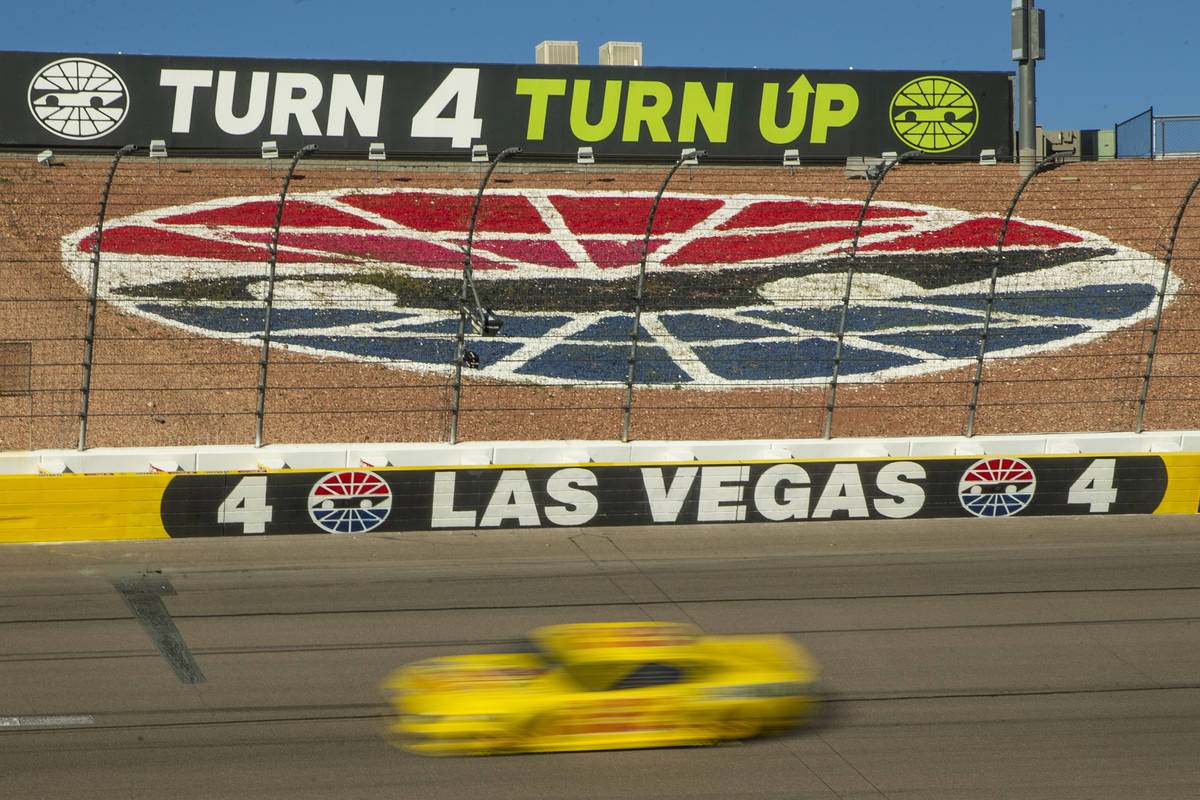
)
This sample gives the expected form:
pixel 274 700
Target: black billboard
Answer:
pixel 418 109
pixel 393 500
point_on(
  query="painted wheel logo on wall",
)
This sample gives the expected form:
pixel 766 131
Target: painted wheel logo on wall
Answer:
pixel 349 502
pixel 78 98
pixel 742 290
pixel 997 487
pixel 934 114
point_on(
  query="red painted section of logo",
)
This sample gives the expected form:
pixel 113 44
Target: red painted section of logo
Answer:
pixel 261 214
pixel 999 469
pixel 979 232
pixel 742 247
pixel 598 224
pixel 146 241
pixel 545 252
pixel 351 483
pixel 607 254
pixel 619 214
pixel 435 211
pixel 780 212
pixel 382 248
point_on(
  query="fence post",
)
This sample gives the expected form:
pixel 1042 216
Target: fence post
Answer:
pixel 1162 293
pixel 876 173
pixel 991 296
pixel 685 156
pixel 85 389
pixel 470 309
pixel 269 300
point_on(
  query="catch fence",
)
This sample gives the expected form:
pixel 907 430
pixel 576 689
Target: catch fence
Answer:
pixel 169 302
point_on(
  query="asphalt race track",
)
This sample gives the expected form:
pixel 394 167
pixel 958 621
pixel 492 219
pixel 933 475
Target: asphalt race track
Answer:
pixel 1026 659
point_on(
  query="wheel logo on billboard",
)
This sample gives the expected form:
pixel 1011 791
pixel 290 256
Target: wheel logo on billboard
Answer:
pixel 997 487
pixel 934 114
pixel 742 289
pixel 355 501
pixel 78 98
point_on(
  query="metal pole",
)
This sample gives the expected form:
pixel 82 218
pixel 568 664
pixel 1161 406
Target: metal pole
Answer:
pixel 469 307
pixel 877 174
pixel 269 300
pixel 460 354
pixel 85 389
pixel 1027 138
pixel 468 268
pixel 686 155
pixel 1162 293
pixel 991 296
pixel 1028 37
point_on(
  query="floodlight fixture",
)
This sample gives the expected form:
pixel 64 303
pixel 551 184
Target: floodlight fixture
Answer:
pixel 585 155
pixel 158 148
pixel 987 158
pixel 690 156
pixel 791 157
pixel 270 149
pixel 46 158
pixel 479 152
pixel 376 152
pixel 487 324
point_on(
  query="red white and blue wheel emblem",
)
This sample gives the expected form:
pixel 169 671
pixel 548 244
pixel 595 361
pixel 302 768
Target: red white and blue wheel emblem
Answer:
pixel 356 501
pixel 997 487
pixel 745 290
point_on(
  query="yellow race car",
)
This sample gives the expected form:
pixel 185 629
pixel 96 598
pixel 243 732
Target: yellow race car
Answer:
pixel 602 686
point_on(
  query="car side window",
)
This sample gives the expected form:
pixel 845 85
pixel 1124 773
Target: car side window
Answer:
pixel 649 674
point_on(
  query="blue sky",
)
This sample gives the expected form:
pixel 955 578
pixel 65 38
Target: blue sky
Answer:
pixel 1106 60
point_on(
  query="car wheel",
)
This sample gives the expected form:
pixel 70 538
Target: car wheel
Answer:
pixel 737 727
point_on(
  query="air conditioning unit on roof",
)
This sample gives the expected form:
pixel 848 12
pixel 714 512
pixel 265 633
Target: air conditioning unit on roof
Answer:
pixel 621 54
pixel 549 52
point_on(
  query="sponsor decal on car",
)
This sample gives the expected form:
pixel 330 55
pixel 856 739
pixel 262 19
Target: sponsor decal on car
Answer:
pixel 741 290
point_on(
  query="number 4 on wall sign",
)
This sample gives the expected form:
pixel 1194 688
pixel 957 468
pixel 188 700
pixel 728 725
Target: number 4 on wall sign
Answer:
pixel 459 87
pixel 1094 488
pixel 247 505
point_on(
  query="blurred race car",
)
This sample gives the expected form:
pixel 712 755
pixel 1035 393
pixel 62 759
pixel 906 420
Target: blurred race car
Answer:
pixel 603 686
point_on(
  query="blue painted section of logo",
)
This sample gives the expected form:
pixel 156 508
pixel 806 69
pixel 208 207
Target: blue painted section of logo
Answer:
pixel 588 362
pixel 395 348
pixel 762 343
pixel 996 505
pixel 794 360
pixel 1097 301
pixel 348 520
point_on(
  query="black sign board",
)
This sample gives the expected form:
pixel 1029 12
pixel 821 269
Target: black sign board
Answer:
pixel 218 105
pixel 396 500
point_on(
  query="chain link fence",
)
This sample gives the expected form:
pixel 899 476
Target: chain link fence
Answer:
pixel 432 302
pixel 1148 135
pixel 1177 136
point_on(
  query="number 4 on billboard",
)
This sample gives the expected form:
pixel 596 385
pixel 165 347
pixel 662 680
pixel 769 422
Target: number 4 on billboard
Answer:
pixel 1094 488
pixel 247 504
pixel 459 87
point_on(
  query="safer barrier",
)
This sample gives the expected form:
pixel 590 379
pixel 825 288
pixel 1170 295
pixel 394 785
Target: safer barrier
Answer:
pixel 69 507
